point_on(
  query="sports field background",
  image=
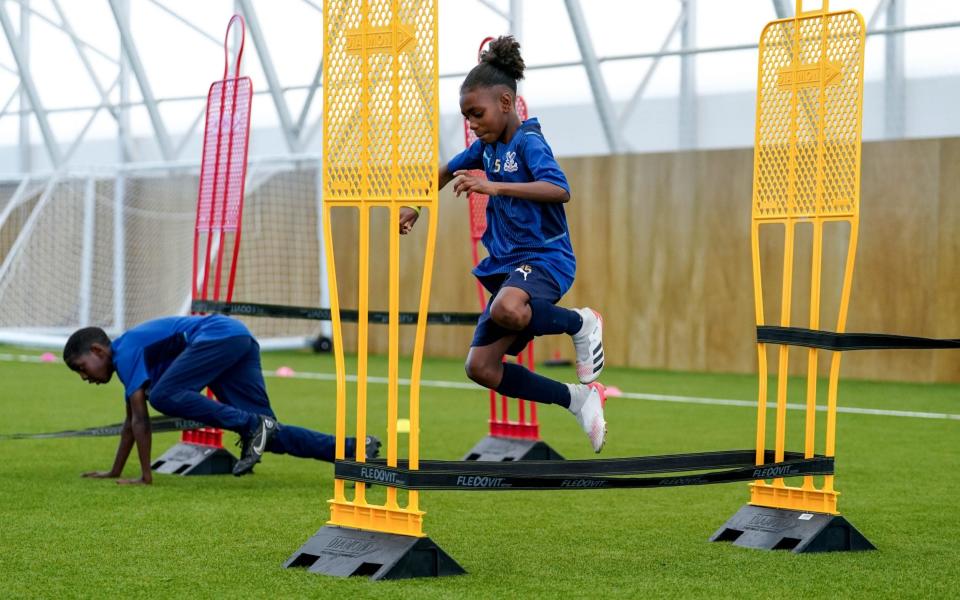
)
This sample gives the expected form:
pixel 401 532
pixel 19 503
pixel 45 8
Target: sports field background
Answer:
pixel 65 536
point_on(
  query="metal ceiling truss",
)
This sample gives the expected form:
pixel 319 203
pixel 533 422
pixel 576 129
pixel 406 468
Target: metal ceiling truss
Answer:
pixel 298 133
pixel 290 133
pixel 120 9
pixel 895 79
pixel 601 97
pixel 687 109
pixel 29 87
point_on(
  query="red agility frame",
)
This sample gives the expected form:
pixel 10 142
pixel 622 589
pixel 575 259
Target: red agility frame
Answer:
pixel 502 426
pixel 223 173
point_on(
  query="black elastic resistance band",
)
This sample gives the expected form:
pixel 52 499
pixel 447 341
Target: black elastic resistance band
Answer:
pixel 581 474
pixel 379 317
pixel 501 479
pixel 668 463
pixel 157 425
pixel 829 340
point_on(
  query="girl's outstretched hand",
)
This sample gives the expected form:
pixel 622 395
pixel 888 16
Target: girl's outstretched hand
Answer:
pixel 408 217
pixel 464 182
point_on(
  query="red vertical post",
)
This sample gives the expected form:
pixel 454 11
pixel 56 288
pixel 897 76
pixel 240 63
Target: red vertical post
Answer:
pixel 223 170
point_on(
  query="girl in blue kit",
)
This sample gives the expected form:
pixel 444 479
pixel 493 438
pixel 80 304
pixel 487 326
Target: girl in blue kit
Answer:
pixel 168 362
pixel 531 264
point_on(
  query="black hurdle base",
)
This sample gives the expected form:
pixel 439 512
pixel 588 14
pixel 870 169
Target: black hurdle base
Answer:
pixel 194 459
pixel 503 449
pixel 344 552
pixel 779 529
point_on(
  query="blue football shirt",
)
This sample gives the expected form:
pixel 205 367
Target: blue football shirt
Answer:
pixel 142 354
pixel 521 231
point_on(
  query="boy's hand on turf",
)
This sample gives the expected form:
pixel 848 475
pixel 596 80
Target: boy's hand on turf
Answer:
pixel 137 481
pixel 408 217
pixel 101 474
pixel 464 183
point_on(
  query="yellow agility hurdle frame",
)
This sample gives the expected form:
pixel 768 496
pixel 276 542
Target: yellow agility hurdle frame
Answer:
pixel 380 150
pixel 806 170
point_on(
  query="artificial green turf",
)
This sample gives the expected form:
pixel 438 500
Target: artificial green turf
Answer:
pixel 220 536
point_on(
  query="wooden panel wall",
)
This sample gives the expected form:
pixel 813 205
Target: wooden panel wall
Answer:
pixel 663 249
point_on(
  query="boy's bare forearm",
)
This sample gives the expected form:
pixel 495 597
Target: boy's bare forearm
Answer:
pixel 143 436
pixel 140 423
pixel 123 449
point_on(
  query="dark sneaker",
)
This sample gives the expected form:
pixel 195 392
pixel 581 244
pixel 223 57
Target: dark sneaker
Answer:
pixel 255 445
pixel 243 442
pixel 373 446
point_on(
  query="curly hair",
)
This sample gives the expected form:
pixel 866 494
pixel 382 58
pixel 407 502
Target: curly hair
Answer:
pixel 500 64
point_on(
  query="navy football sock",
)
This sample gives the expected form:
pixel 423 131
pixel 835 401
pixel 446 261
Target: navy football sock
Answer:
pixel 520 382
pixel 549 319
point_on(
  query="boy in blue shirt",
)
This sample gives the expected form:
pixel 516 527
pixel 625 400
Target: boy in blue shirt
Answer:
pixel 168 362
pixel 531 264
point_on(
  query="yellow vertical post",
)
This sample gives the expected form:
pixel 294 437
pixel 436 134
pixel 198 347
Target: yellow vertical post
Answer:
pixel 341 420
pixel 761 347
pixel 380 151
pixel 784 351
pixel 806 170
pixel 393 350
pixel 810 425
pixel 363 330
pixel 830 447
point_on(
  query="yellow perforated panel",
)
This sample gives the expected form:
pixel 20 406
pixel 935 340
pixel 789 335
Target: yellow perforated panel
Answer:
pixel 809 102
pixel 806 169
pixel 380 149
pixel 380 100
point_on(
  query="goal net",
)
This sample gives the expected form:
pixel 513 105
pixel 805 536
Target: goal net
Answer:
pixel 115 248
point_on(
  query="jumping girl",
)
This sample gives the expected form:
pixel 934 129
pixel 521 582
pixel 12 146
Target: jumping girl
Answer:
pixel 531 264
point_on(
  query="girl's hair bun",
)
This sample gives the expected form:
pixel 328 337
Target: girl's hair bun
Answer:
pixel 500 64
pixel 504 54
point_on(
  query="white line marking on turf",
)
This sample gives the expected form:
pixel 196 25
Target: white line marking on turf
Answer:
pixel 792 406
pixel 463 385
pixel 20 358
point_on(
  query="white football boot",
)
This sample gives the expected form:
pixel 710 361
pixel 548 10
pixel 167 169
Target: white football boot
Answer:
pixel 588 343
pixel 586 404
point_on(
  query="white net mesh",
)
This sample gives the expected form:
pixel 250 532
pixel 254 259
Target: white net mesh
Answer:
pixel 61 266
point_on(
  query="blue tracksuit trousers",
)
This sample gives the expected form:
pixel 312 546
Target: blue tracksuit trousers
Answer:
pixel 231 368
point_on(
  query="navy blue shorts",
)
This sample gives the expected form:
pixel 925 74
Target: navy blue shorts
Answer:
pixel 534 281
